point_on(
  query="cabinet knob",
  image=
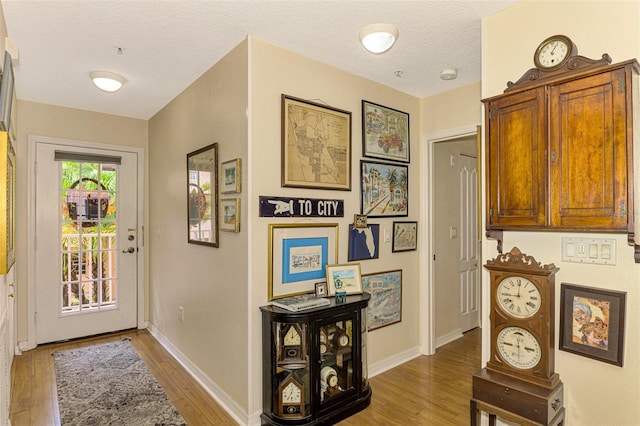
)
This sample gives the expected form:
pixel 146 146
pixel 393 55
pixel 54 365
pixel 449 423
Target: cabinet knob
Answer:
pixel 553 156
pixel 507 390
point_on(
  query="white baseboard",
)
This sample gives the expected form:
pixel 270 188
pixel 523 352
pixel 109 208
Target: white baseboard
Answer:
pixel 226 402
pixel 394 361
pixel 25 346
pixel 448 338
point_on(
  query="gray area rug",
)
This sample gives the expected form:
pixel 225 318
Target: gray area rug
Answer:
pixel 109 384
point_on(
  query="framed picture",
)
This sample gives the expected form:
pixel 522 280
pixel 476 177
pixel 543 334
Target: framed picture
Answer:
pixel 7 203
pixel 202 196
pixel 321 289
pixel 385 307
pixel 345 277
pixel 405 236
pixel 359 220
pixel 592 322
pixel 363 242
pixel 298 255
pixel 6 93
pixel 385 132
pixel 230 219
pixel 384 189
pixel 316 145
pixel 230 177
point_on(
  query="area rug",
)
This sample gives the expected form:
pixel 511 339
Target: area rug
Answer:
pixel 109 384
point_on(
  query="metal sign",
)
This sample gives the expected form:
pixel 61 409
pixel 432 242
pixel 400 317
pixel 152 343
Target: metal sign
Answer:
pixel 300 207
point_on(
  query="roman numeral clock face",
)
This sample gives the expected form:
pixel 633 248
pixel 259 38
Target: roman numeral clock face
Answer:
pixel 518 297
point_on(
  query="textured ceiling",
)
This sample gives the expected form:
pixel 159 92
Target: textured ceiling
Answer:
pixel 168 44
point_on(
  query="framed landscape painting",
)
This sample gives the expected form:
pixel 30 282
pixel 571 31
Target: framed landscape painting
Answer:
pixel 384 189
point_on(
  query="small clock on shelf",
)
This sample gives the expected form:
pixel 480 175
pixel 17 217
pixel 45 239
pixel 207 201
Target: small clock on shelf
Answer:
pixel 291 398
pixel 554 52
pixel 329 382
pixel 522 318
pixel 292 346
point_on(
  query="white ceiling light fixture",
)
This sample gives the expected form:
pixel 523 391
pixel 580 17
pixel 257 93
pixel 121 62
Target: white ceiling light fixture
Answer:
pixel 449 74
pixel 107 81
pixel 378 38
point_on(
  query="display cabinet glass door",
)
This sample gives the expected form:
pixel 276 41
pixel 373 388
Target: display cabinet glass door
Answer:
pixel 291 385
pixel 337 349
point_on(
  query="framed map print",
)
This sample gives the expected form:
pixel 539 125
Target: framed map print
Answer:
pixel 316 145
pixel 363 242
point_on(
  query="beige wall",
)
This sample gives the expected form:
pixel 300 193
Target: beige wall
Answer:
pixel 454 111
pixel 275 71
pixel 595 393
pixel 65 123
pixel 209 283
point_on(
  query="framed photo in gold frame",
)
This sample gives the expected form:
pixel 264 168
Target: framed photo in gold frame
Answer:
pixel 297 257
pixel 7 203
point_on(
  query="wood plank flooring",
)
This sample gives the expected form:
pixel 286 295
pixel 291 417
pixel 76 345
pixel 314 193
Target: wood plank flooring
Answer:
pixel 432 390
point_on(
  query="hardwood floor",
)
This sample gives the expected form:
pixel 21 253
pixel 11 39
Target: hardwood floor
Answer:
pixel 432 390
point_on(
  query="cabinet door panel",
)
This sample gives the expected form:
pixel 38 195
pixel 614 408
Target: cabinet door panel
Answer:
pixel 588 152
pixel 516 160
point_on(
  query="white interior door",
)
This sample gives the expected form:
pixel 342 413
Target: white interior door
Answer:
pixel 468 264
pixel 86 247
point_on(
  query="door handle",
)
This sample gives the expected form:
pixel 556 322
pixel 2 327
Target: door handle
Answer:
pixel 129 250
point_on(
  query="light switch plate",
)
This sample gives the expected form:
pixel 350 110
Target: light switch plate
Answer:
pixel 597 251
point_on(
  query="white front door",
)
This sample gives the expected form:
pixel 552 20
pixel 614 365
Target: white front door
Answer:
pixel 468 263
pixel 86 247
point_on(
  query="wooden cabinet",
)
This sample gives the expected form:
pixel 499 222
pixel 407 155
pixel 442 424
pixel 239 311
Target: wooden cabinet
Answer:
pixel 559 154
pixel 314 363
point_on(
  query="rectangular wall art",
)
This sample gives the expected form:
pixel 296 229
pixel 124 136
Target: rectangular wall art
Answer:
pixel 385 132
pixel 202 196
pixel 385 306
pixel 316 145
pixel 298 255
pixel 384 189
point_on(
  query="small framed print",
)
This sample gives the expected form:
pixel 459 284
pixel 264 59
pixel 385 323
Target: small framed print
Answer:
pixel 359 221
pixel 230 211
pixel 230 177
pixel 384 189
pixel 345 278
pixel 363 242
pixel 405 236
pixel 592 322
pixel 385 307
pixel 321 289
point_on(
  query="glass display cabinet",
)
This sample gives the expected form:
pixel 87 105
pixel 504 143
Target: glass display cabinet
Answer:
pixel 314 363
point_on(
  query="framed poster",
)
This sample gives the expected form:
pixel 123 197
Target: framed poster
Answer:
pixel 385 132
pixel 316 145
pixel 230 219
pixel 405 236
pixel 202 196
pixel 230 177
pixel 384 189
pixel 385 307
pixel 592 322
pixel 298 255
pixel 363 242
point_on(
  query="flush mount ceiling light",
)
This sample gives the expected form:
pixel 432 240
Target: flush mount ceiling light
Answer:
pixel 107 81
pixel 378 38
pixel 449 74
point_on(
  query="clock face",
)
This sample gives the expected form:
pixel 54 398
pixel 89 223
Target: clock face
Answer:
pixel 518 348
pixel 518 297
pixel 332 380
pixel 552 53
pixel 291 394
pixel 292 338
pixel 343 340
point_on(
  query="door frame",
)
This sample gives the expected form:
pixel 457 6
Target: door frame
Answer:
pixel 33 140
pixel 427 270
